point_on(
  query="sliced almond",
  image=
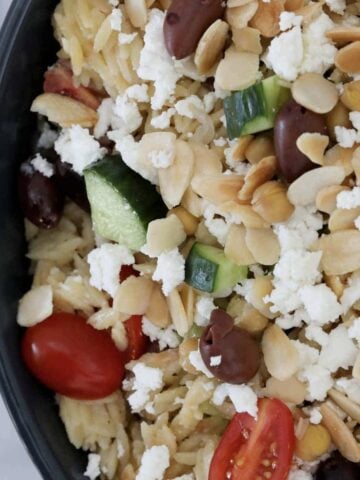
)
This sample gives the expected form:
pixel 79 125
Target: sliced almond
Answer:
pixel 336 247
pixel 164 234
pixel 326 198
pixel 346 404
pixel 260 147
pixel 355 162
pixel 35 306
pixel 157 311
pixel 304 189
pixel 341 219
pixel 244 214
pixel 351 95
pixel 185 348
pixel 260 288
pixel 175 179
pixel 344 34
pixel 237 70
pixel 280 355
pixel 188 220
pixel 340 433
pixel 293 5
pixel 64 111
pixel 247 39
pixel 310 12
pixel 289 391
pixel 271 203
pixel 257 175
pixel 206 162
pixel 347 59
pixel 251 320
pixel 177 312
pixel 236 248
pixel 335 283
pixel 133 295
pixel 192 203
pixel 263 244
pixel 188 298
pixel 313 145
pixel 218 189
pixel 239 17
pixel 211 46
pixel 267 16
pixel 237 153
pixel 137 12
pixel 314 92
pixel 340 157
pixel 339 116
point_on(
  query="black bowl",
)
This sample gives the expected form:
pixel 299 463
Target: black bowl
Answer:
pixel 26 49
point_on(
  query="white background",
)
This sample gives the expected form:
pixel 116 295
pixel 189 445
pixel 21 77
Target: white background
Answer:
pixel 14 460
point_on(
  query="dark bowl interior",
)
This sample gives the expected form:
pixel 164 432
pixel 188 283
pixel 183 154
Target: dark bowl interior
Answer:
pixel 26 49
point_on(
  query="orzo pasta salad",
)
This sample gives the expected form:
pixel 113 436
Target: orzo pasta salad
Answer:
pixel 192 216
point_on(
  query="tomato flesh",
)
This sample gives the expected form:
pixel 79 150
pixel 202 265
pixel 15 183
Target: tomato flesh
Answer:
pixel 137 341
pixel 72 358
pixel 256 449
pixel 126 272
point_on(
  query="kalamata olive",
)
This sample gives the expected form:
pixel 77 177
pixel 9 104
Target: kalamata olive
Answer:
pixel 338 468
pixel 292 121
pixel 186 21
pixel 40 197
pixel 236 352
pixel 72 184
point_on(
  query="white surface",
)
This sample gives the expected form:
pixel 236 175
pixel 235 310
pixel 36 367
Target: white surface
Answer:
pixel 14 460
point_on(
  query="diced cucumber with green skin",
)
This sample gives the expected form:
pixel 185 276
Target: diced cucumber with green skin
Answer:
pixel 254 109
pixel 122 202
pixel 209 270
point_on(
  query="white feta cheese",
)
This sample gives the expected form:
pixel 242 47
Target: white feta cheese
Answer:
pixel 355 119
pixel 127 117
pixel 138 92
pixel 93 467
pixel 188 476
pixel 319 382
pixel 307 355
pixel 155 62
pixel 349 386
pixel 105 115
pixel 114 3
pixel 47 137
pixel 337 6
pixel 163 120
pixel 203 308
pixel 339 352
pixel 105 264
pixel 147 379
pixel 357 223
pixel 321 304
pixel 348 199
pixel 196 361
pixel 300 475
pixel 289 20
pixel 215 361
pixel 170 270
pixel 316 334
pixel 346 137
pixel 243 397
pixel 79 148
pixel 154 462
pixel 209 100
pixel 351 293
pixel 220 142
pixel 167 337
pixel 218 227
pixel 315 416
pixel 43 166
pixel 354 330
pixel 161 158
pixel 190 106
pixel 127 38
pixel 116 18
pixel 292 320
pixel 35 306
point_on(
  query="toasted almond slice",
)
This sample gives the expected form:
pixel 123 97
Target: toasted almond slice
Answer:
pixel 64 111
pixel 344 34
pixel 314 92
pixel 157 311
pixel 35 306
pixel 263 244
pixel 313 145
pixel 247 39
pixel 137 12
pixel 206 162
pixel 343 219
pixel 326 198
pixel 211 46
pixel 340 157
pixel 192 202
pixel 335 248
pixel 348 58
pixel 339 116
pixel 177 312
pixel 236 248
pixel 260 147
pixel 244 214
pixel 340 433
pixel 164 234
pixel 350 407
pixel 304 189
pixel 185 348
pixel 260 288
pixel 239 17
pixel 289 391
pixel 351 95
pixel 336 284
pixel 257 175
pixel 187 295
pixel 271 203
pixel 280 355
pixel 267 16
pixel 237 70
pixel 133 295
pixel 188 220
pixel 293 5
pixel 310 12
pixel 218 189
pixel 175 179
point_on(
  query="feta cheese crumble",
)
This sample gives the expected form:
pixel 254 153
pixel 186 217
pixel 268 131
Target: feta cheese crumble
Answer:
pixel 116 18
pixel 351 293
pixel 289 20
pixel 147 379
pixel 163 120
pixel 319 382
pixel 349 386
pixel 47 137
pixel 167 337
pixel 354 330
pixel 154 462
pixel 170 270
pixel 339 352
pixel 43 166
pixel 355 119
pixel 190 107
pixel 93 467
pixel 215 361
pixel 105 264
pixel 161 158
pixel 320 303
pixel 196 361
pixel 79 148
pixel 243 397
pixel 203 308
pixel 337 6
pixel 348 199
pixel 127 38
pixel 346 137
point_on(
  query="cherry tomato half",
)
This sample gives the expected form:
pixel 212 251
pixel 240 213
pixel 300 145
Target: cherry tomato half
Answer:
pixel 126 272
pixel 251 449
pixel 72 358
pixel 137 341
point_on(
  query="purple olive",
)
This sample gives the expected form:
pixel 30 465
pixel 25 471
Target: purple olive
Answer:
pixel 338 468
pixel 40 197
pixel 292 121
pixel 236 352
pixel 72 184
pixel 185 23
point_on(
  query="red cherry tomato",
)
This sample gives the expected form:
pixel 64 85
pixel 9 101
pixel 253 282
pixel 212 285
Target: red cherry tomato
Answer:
pixel 126 272
pixel 137 341
pixel 69 356
pixel 251 449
